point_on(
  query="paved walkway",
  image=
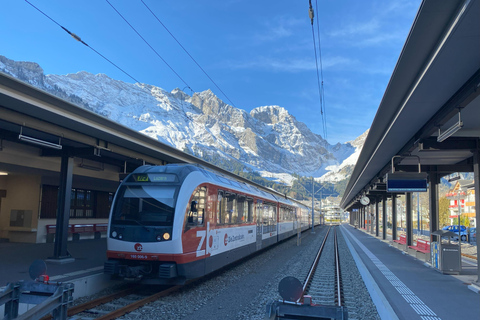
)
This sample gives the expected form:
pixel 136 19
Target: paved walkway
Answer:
pixel 413 290
pixel 16 258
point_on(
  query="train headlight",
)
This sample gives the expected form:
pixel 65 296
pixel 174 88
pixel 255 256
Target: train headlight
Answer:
pixel 159 238
pixel 166 236
pixel 120 236
pixel 114 234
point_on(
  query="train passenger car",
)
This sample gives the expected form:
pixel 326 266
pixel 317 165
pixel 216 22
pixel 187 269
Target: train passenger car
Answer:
pixel 177 222
pixel 333 215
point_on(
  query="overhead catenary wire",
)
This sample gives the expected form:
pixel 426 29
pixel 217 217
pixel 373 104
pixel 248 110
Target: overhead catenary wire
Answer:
pixel 203 70
pixel 76 37
pixel 148 44
pixel 321 74
pixel 319 81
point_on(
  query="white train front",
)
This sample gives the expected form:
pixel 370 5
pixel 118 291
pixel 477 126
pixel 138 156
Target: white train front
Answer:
pixel 177 222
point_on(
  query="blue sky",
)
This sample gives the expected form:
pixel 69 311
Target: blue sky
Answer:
pixel 258 52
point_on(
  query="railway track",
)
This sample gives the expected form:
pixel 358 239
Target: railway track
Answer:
pixel 321 295
pixel 117 304
pixel 246 284
pixel 324 281
pixel 126 301
pixel 332 282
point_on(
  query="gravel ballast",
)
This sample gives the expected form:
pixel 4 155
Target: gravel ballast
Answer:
pixel 243 292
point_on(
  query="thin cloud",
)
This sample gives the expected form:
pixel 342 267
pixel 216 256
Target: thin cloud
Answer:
pixel 290 65
pixel 277 28
pixel 377 31
pixel 356 29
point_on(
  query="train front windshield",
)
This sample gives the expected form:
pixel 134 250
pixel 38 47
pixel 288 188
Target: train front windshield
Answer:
pixel 147 205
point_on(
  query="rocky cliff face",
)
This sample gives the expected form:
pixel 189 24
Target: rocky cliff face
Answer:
pixel 268 139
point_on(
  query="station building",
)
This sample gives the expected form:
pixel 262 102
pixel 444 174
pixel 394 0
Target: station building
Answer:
pixel 462 193
pixel 60 160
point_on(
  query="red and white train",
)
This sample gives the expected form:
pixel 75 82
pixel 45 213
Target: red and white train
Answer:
pixel 177 222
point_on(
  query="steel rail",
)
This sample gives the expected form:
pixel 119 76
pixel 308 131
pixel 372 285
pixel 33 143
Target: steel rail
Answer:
pixel 337 269
pixel 306 284
pixel 137 304
pixel 96 302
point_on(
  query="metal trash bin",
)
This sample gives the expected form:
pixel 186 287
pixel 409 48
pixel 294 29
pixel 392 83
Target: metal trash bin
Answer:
pixel 446 257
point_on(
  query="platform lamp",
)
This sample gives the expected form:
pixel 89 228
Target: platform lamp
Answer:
pixel 39 142
pixel 442 136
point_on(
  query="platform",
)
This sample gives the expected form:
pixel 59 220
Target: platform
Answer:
pixel 412 289
pixel 16 258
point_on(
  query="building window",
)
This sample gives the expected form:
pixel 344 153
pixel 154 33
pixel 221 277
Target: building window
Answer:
pixel 83 203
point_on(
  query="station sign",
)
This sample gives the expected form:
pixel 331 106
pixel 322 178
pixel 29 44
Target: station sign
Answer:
pixel 407 182
pixel 453 177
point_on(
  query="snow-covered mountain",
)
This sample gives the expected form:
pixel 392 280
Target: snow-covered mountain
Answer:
pixel 344 170
pixel 267 140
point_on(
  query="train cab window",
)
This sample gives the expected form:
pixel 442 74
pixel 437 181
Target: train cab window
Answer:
pixel 145 206
pixel 196 209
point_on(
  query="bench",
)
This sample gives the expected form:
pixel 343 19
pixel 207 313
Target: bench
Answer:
pixel 422 246
pixel 400 243
pixel 421 250
pixel 76 229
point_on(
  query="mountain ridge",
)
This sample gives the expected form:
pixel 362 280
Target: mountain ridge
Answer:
pixel 268 139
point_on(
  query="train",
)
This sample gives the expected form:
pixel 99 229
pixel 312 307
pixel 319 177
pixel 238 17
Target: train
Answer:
pixel 333 215
pixel 173 223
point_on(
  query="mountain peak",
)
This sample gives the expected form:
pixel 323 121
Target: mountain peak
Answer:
pixel 271 114
pixel 30 72
pixel 268 139
pixel 179 94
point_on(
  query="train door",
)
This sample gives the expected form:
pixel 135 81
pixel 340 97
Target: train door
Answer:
pixel 195 233
pixel 259 224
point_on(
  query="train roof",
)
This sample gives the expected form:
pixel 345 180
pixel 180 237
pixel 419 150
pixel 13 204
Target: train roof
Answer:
pixel 183 170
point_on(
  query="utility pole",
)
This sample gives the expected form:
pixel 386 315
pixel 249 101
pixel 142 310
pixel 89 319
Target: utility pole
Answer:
pixel 418 213
pixel 313 202
pixel 459 204
pixel 313 205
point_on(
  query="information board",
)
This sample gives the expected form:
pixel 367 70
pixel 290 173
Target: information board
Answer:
pixel 407 182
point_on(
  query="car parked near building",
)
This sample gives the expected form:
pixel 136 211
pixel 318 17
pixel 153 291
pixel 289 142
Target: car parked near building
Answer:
pixel 473 234
pixel 454 229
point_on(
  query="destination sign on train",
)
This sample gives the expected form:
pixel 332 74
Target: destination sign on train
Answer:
pixel 153 177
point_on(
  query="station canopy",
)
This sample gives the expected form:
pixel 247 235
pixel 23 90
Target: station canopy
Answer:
pixel 430 111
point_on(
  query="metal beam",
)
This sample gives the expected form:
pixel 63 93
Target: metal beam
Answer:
pixel 452 143
pixel 477 204
pixel 63 212
pixel 460 99
pixel 408 213
pixel 444 169
pixel 394 217
pixel 384 217
pixel 433 199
